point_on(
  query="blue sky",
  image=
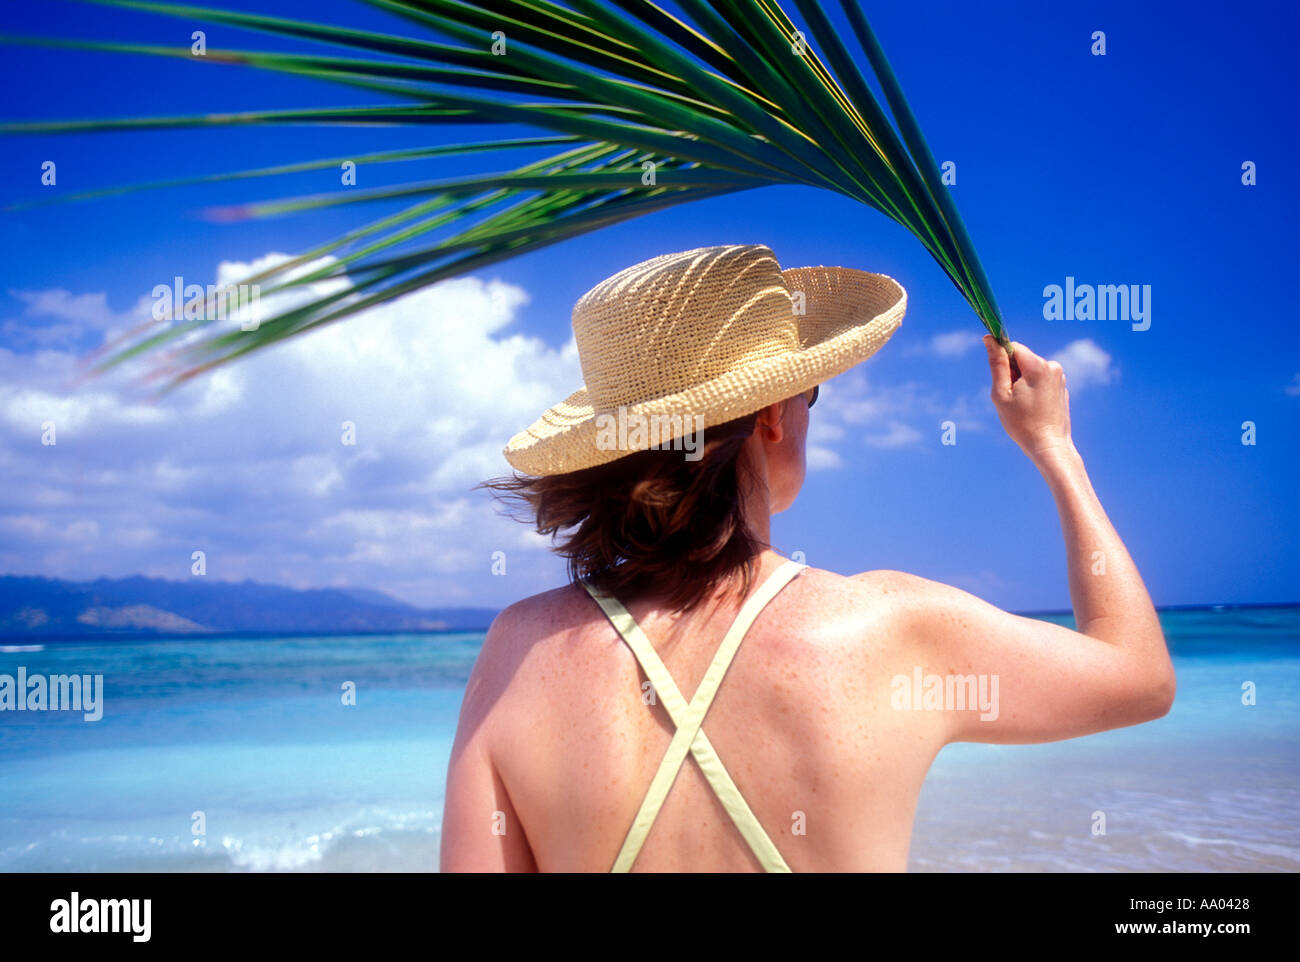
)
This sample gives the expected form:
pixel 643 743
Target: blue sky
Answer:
pixel 1122 169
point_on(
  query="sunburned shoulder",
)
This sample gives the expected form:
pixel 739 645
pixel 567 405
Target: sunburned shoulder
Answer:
pixel 514 634
pixel 541 615
pixel 906 597
pixel 880 586
pixel 889 583
pixel 847 607
pixel 931 608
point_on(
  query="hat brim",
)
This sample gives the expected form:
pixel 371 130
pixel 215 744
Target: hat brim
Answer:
pixel 849 315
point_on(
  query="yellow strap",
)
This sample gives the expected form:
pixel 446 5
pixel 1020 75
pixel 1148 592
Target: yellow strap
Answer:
pixel 689 718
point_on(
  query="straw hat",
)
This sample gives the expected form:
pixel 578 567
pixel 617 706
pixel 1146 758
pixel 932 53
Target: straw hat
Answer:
pixel 705 336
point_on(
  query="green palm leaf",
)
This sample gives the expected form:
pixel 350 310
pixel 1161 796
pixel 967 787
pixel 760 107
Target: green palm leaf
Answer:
pixel 737 98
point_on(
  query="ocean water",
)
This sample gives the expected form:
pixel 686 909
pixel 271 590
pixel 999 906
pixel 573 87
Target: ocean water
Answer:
pixel 232 755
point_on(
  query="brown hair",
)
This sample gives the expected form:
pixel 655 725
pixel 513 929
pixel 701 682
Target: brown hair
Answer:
pixel 650 518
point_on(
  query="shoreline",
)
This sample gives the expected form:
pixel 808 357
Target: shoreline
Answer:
pixel 274 634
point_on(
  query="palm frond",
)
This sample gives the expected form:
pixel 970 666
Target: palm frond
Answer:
pixel 737 98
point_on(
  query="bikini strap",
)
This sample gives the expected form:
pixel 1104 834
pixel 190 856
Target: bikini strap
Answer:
pixel 689 718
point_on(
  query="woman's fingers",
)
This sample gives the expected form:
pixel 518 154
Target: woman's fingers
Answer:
pixel 999 367
pixel 1031 365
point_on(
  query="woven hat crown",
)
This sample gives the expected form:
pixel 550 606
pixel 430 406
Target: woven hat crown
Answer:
pixel 677 320
pixel 694 339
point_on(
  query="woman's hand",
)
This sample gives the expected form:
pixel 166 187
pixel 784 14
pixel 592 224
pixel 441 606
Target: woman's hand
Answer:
pixel 1034 409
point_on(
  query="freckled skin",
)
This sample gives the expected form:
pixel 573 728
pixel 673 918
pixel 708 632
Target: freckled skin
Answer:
pixel 554 732
pixel 791 739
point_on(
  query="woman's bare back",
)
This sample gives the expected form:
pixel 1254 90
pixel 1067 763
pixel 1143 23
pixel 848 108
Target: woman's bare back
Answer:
pixel 802 721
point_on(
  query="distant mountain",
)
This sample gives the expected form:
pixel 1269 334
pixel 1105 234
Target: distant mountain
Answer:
pixel 32 607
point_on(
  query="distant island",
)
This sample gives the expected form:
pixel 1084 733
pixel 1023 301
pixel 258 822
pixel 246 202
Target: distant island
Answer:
pixel 36 607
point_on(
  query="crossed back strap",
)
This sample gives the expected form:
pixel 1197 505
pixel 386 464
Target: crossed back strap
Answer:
pixel 689 718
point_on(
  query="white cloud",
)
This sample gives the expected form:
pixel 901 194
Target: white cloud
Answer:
pixel 949 344
pixel 1293 389
pixel 247 462
pixel 1085 363
pixel 821 458
pixel 898 416
pixel 57 318
pixel 894 435
pixel 954 343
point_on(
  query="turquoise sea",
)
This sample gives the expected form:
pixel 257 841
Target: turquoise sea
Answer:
pixel 250 741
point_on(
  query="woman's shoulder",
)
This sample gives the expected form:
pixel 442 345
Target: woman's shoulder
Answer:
pixel 566 599
pixel 878 589
pixel 516 633
pixel 539 616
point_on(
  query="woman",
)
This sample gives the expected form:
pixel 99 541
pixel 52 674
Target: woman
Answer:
pixel 583 743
